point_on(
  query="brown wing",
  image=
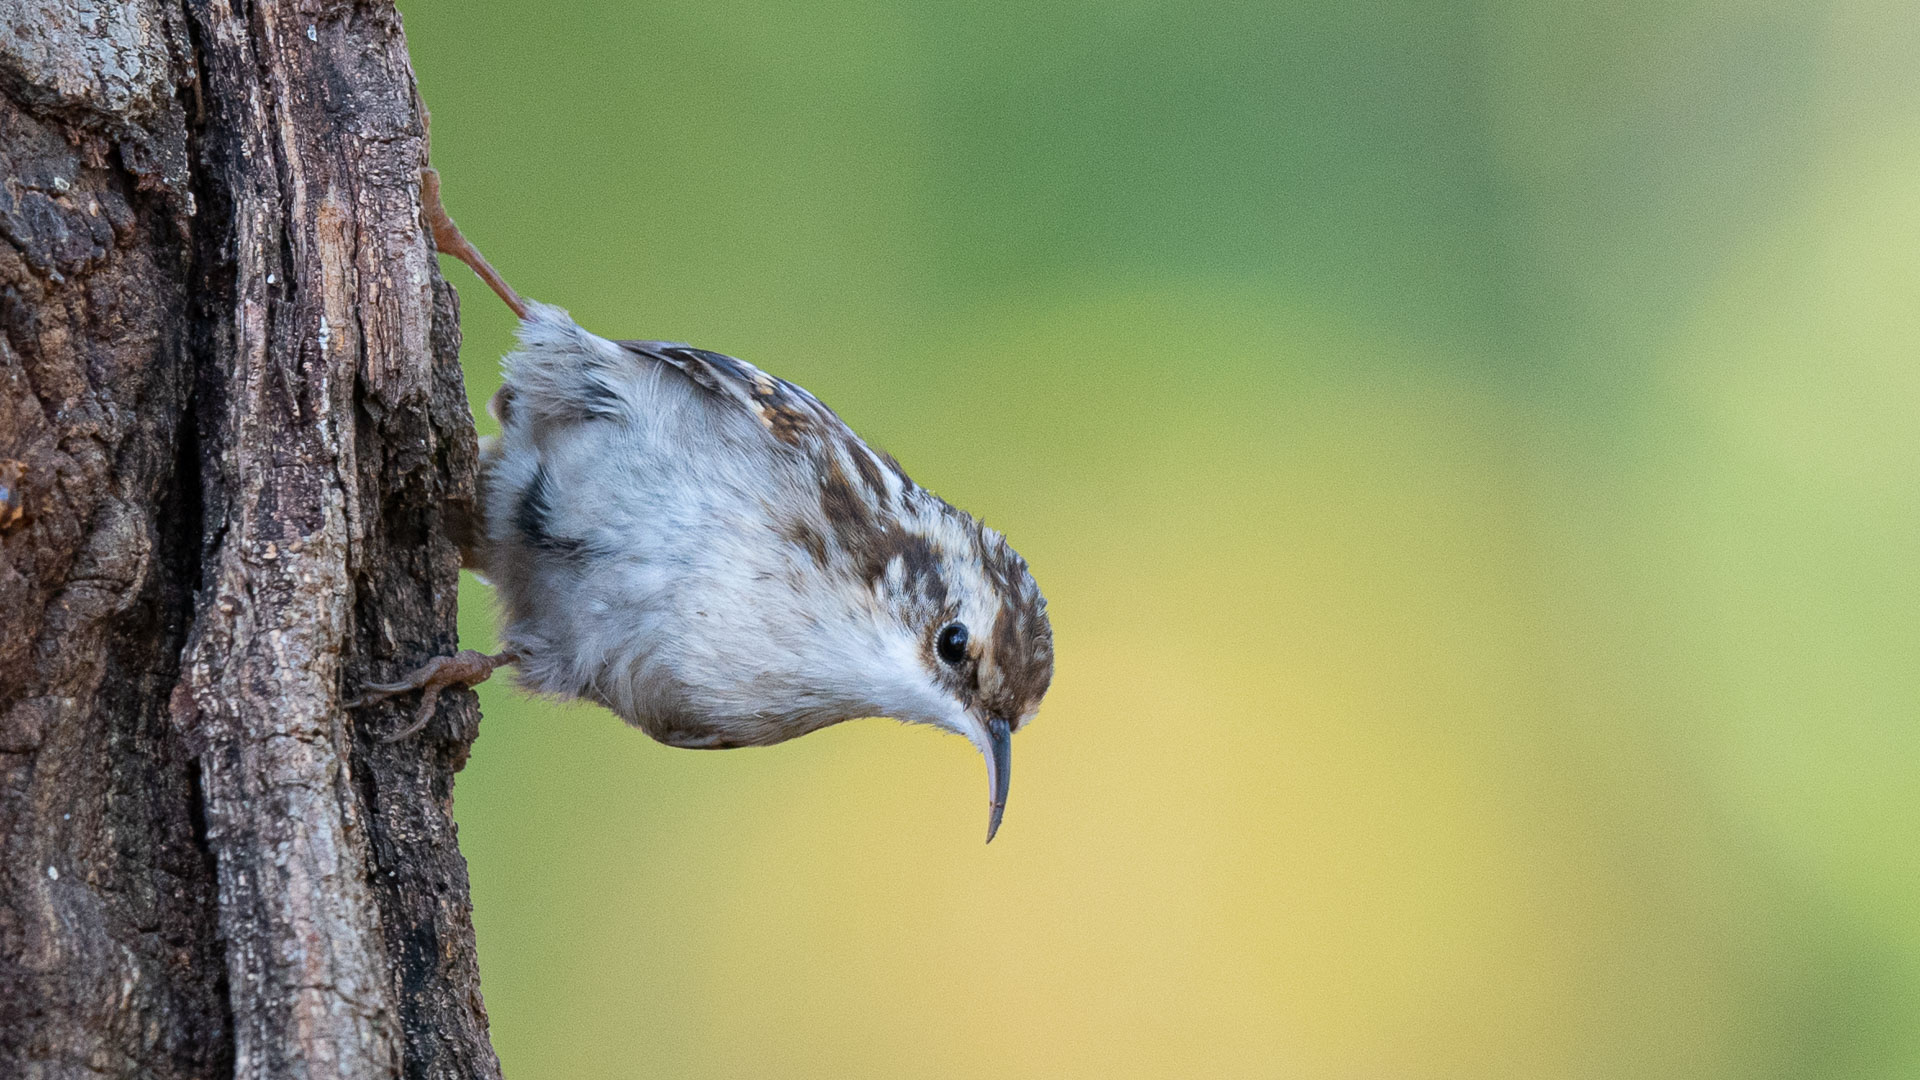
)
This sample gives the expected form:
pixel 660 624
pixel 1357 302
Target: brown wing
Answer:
pixel 788 412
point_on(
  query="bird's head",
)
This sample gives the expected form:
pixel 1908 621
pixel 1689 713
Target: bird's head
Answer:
pixel 922 613
pixel 981 645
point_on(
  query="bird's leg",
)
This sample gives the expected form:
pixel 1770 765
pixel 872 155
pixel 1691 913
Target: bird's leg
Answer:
pixel 447 239
pixel 467 667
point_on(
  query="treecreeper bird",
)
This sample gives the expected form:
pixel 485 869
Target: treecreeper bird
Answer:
pixel 712 554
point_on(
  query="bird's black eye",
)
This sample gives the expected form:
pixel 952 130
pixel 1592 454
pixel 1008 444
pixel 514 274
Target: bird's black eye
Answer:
pixel 952 643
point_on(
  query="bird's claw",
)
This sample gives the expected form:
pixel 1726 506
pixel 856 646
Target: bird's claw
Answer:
pixel 464 668
pixel 448 240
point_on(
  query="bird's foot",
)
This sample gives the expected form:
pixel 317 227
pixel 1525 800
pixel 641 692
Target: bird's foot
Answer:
pixel 467 667
pixel 447 240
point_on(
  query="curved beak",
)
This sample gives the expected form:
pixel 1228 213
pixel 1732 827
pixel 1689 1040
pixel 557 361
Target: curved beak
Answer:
pixel 998 750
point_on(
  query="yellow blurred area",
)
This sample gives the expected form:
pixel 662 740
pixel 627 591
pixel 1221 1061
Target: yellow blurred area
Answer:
pixel 1473 459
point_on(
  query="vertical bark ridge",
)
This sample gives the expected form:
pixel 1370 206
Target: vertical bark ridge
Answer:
pixel 229 379
pixel 110 963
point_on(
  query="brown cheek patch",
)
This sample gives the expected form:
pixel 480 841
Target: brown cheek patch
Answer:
pixel 1023 659
pixel 990 680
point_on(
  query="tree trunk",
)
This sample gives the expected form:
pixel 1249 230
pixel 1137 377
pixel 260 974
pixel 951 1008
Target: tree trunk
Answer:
pixel 232 424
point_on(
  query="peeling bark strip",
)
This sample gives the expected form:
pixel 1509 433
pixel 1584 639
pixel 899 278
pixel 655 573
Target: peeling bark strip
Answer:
pixel 228 377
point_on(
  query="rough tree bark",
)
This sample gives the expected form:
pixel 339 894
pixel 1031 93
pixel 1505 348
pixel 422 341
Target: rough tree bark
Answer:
pixel 231 419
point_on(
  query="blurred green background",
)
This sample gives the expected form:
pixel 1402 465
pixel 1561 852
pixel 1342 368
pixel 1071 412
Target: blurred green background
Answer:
pixel 1473 455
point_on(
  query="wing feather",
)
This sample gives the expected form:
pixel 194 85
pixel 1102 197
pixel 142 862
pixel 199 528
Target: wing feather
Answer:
pixel 788 412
